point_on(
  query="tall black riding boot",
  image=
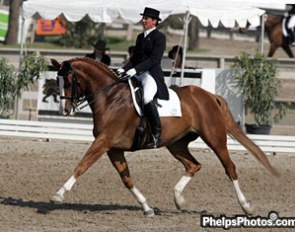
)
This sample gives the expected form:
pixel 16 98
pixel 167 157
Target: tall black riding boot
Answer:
pixel 152 114
pixel 293 37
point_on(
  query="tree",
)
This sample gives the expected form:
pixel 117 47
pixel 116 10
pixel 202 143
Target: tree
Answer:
pixel 176 22
pixel 81 34
pixel 12 33
pixel 193 33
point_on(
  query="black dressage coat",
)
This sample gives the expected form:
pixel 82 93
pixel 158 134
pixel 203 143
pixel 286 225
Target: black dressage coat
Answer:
pixel 148 53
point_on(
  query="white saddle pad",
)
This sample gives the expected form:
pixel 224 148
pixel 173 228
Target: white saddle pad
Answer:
pixel 284 27
pixel 291 25
pixel 166 108
pixel 171 107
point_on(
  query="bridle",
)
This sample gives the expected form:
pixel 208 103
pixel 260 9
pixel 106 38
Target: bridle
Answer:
pixel 75 85
pixel 66 69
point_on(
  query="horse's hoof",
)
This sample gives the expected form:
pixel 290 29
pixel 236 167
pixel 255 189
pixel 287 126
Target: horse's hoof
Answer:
pixel 247 208
pixel 56 198
pixel 149 213
pixel 179 201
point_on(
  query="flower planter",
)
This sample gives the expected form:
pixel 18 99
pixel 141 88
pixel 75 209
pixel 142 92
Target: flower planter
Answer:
pixel 258 129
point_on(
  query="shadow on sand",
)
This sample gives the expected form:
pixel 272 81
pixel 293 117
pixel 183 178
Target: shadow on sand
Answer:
pixel 47 207
pixel 43 207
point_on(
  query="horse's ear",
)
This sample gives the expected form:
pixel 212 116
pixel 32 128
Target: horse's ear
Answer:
pixel 55 63
pixel 67 65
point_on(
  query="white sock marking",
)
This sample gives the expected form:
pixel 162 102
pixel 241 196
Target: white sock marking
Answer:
pixel 140 198
pixel 178 189
pixel 182 183
pixel 241 197
pixel 67 186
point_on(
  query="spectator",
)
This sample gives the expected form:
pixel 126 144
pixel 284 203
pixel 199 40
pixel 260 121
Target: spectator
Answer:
pixel 130 53
pixel 176 54
pixel 131 50
pixel 99 52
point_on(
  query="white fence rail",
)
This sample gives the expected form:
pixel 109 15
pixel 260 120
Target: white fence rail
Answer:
pixel 83 132
pixel 46 130
pixel 268 143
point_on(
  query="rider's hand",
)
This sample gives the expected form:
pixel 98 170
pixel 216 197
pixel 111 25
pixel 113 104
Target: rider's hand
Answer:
pixel 131 72
pixel 120 71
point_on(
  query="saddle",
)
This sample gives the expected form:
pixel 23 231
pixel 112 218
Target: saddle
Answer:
pixel 137 96
pixel 166 108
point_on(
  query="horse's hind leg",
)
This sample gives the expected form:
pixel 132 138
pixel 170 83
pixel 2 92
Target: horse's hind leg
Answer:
pixel 288 50
pixel 119 162
pixel 272 49
pixel 96 150
pixel 220 149
pixel 180 151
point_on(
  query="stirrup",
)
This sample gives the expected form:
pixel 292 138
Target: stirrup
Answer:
pixel 155 143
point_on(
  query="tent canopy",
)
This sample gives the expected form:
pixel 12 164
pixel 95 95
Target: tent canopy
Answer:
pixel 228 12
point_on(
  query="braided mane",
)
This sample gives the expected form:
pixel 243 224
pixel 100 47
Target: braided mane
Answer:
pixel 94 62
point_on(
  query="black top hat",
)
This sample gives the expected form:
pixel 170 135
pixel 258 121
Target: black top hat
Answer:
pixel 150 12
pixel 100 45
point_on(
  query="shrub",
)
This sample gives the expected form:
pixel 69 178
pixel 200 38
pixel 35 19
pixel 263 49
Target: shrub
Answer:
pixel 256 76
pixel 13 83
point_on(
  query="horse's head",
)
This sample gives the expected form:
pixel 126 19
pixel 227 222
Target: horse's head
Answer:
pixel 79 77
pixel 69 86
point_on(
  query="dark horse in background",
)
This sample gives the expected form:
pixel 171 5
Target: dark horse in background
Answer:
pixel 115 121
pixel 274 29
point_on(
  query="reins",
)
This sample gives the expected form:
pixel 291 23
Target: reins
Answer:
pixel 103 89
pixel 77 101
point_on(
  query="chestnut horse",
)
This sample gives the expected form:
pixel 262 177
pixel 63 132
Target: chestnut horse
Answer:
pixel 115 122
pixel 273 27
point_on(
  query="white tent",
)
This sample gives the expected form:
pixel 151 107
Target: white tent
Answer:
pixel 227 12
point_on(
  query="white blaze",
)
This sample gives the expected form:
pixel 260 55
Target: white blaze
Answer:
pixel 61 92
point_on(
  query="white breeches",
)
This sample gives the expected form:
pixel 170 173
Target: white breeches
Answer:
pixel 149 86
pixel 291 23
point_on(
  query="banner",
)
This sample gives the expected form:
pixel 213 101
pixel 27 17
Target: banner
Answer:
pixel 51 27
pixel 4 18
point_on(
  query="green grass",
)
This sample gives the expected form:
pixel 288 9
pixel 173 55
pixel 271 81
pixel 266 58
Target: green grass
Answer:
pixel 114 43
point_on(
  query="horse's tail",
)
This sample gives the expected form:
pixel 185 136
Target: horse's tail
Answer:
pixel 234 130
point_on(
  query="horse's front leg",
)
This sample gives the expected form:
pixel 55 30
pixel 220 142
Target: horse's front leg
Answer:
pixel 97 149
pixel 119 162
